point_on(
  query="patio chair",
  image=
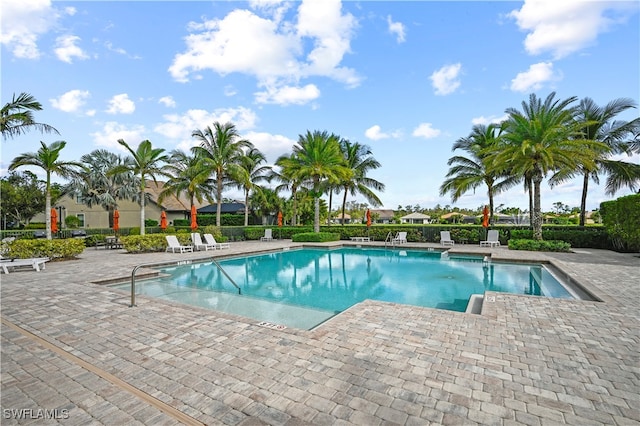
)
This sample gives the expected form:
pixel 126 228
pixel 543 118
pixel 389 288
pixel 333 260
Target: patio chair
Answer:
pixel 492 239
pixel 174 245
pixel 198 244
pixel 211 240
pixel 400 238
pixel 268 235
pixel 445 238
pixel 36 263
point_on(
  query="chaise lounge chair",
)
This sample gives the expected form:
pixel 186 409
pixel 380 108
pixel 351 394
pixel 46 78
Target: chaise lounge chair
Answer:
pixel 400 238
pixel 212 241
pixel 174 245
pixel 268 235
pixel 198 244
pixel 492 239
pixel 36 263
pixel 445 238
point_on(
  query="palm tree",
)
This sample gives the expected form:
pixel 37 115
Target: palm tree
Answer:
pixel 187 175
pixel 542 138
pixel 289 181
pixel 145 162
pixel 360 161
pixel 319 159
pixel 599 125
pixel 16 117
pixel 251 172
pixel 468 173
pixel 220 150
pixel 99 187
pixel 48 159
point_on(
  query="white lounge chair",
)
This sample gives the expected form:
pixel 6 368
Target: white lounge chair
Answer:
pixel 196 239
pixel 445 238
pixel 268 235
pixel 36 263
pixel 400 238
pixel 174 245
pixel 492 239
pixel 211 240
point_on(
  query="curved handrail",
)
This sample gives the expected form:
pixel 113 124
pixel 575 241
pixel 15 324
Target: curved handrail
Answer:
pixel 173 262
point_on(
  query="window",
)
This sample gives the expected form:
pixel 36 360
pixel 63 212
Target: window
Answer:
pixel 81 220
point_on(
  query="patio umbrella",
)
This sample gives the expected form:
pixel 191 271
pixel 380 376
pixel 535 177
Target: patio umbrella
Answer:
pixel 54 221
pixel 485 217
pixel 163 220
pixel 116 221
pixel 368 217
pixel 194 219
pixel 279 218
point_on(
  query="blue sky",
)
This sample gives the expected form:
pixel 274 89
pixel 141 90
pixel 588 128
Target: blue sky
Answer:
pixel 406 78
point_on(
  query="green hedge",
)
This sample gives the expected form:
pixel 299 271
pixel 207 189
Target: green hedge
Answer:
pixel 621 218
pixel 543 245
pixel 315 237
pixel 151 242
pixel 582 237
pixel 53 249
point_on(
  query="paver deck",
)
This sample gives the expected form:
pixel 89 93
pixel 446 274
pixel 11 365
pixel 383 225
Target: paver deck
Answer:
pixel 74 352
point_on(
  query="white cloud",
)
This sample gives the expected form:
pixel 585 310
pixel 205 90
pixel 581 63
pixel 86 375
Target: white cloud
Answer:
pixel 272 146
pixel 396 28
pixel 492 119
pixel 375 133
pixel 70 101
pixel 22 22
pixel 272 50
pixel 287 95
pixel 535 77
pixel 179 127
pixel 121 104
pixel 567 26
pixel 426 130
pixel 446 79
pixel 112 131
pixel 167 101
pixel 229 90
pixel 66 49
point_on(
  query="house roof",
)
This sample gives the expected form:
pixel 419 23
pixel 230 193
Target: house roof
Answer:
pixel 383 213
pixel 416 215
pixel 232 208
pixel 448 215
pixel 170 203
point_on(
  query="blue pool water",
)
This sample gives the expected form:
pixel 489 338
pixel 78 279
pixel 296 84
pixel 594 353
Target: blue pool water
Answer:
pixel 302 288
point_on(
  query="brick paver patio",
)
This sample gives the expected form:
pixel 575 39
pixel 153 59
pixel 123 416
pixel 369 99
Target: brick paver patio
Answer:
pixel 73 352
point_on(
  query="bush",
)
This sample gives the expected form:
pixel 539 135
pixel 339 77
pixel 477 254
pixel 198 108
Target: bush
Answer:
pixel 146 243
pixel 535 245
pixel 315 237
pixel 150 222
pixel 583 237
pixel 621 218
pixel 53 249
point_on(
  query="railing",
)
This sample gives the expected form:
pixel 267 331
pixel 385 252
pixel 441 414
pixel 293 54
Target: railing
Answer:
pixel 174 262
pixel 389 239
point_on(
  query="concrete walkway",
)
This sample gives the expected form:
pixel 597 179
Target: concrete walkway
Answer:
pixel 74 353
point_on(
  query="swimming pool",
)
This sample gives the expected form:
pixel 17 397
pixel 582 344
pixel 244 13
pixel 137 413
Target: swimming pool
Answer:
pixel 304 287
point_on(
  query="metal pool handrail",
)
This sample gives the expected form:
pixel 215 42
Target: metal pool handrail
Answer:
pixel 174 262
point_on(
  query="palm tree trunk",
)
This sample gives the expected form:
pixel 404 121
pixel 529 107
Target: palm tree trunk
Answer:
pixel 219 201
pixel 537 213
pixel 583 200
pixel 316 214
pixel 490 207
pixel 246 208
pixel 142 231
pixel 47 206
pixel 330 201
pixel 295 206
pixel 530 193
pixel 344 205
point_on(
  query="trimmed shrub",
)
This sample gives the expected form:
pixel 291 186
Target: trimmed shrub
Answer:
pixel 535 245
pixel 151 242
pixel 315 237
pixel 583 237
pixel 621 218
pixel 53 249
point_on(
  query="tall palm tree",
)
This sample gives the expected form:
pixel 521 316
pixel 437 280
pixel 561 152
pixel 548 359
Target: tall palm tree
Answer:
pixel 252 171
pixel 600 125
pixel 220 150
pixel 469 173
pixel 145 162
pixel 289 181
pixel 542 138
pixel 48 159
pixel 16 117
pixel 187 175
pixel 99 187
pixel 360 160
pixel 319 159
